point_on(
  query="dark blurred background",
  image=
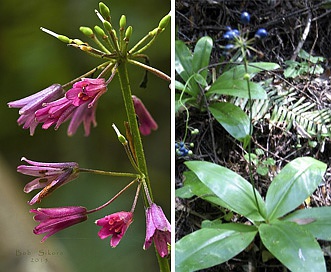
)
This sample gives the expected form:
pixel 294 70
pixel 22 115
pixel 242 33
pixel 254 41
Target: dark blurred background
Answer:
pixel 32 60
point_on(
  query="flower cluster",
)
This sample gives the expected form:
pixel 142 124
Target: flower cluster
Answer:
pixel 50 176
pixel 47 107
pixel 237 38
pixel 76 102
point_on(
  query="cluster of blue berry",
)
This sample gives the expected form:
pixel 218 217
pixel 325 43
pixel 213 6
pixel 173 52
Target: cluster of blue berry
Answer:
pixel 233 35
pixel 183 149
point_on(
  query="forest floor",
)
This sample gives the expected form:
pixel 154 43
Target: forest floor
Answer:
pixel 291 25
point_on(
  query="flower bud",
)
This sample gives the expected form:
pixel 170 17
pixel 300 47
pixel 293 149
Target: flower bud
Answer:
pixel 78 42
pixel 164 21
pixel 122 22
pixel 107 26
pixel 104 10
pixel 100 32
pixel 128 33
pixel 64 39
pixel 87 31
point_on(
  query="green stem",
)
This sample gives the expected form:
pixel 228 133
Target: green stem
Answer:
pixel 139 150
pixel 250 168
pixel 108 173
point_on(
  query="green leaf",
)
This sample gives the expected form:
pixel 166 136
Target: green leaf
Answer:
pixel 315 220
pixel 295 182
pixel 237 87
pixel 211 246
pixel 201 55
pixel 232 118
pixel 184 67
pixel 183 60
pixel 238 71
pixel 193 186
pixel 201 80
pixel 293 246
pixel 231 188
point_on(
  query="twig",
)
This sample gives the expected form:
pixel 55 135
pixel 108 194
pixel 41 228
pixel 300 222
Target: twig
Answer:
pixel 304 36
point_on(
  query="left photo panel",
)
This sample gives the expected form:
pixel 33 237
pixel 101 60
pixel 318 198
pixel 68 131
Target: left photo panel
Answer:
pixel 85 158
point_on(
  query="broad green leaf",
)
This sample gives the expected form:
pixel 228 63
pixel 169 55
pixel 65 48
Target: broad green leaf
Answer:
pixel 238 71
pixel 231 188
pixel 184 67
pixel 296 248
pixel 237 87
pixel 315 220
pixel 305 55
pixel 183 60
pixel 194 187
pixel 201 55
pixel 232 118
pixel 179 86
pixel 200 79
pixel 295 182
pixel 211 246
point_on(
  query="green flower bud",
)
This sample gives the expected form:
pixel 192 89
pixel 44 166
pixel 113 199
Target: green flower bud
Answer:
pixel 87 31
pixel 107 26
pixel 100 31
pixel 104 10
pixel 78 42
pixel 64 39
pixel 120 137
pixel 128 33
pixel 154 32
pixel 164 21
pixel 122 22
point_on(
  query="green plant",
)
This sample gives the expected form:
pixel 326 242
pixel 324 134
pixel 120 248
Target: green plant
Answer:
pixel 309 65
pixel 262 165
pixel 288 234
pixel 197 92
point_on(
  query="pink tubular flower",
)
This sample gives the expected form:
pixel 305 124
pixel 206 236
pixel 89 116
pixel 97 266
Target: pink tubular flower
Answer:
pixel 158 229
pixel 29 105
pixel 53 220
pixel 50 176
pixel 79 104
pixel 147 123
pixel 116 225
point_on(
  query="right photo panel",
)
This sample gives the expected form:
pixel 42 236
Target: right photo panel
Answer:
pixel 252 135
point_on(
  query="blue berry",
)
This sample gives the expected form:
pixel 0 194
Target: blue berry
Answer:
pixel 261 33
pixel 236 32
pixel 229 35
pixel 245 18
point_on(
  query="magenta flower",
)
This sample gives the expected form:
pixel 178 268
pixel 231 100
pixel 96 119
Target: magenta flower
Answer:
pixel 50 176
pixel 53 220
pixel 79 105
pixel 158 229
pixel 116 225
pixel 147 123
pixel 30 104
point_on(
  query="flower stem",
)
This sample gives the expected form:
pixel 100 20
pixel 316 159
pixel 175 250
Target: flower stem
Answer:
pixel 250 168
pixel 108 173
pixel 133 124
pixel 116 196
pixel 138 146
